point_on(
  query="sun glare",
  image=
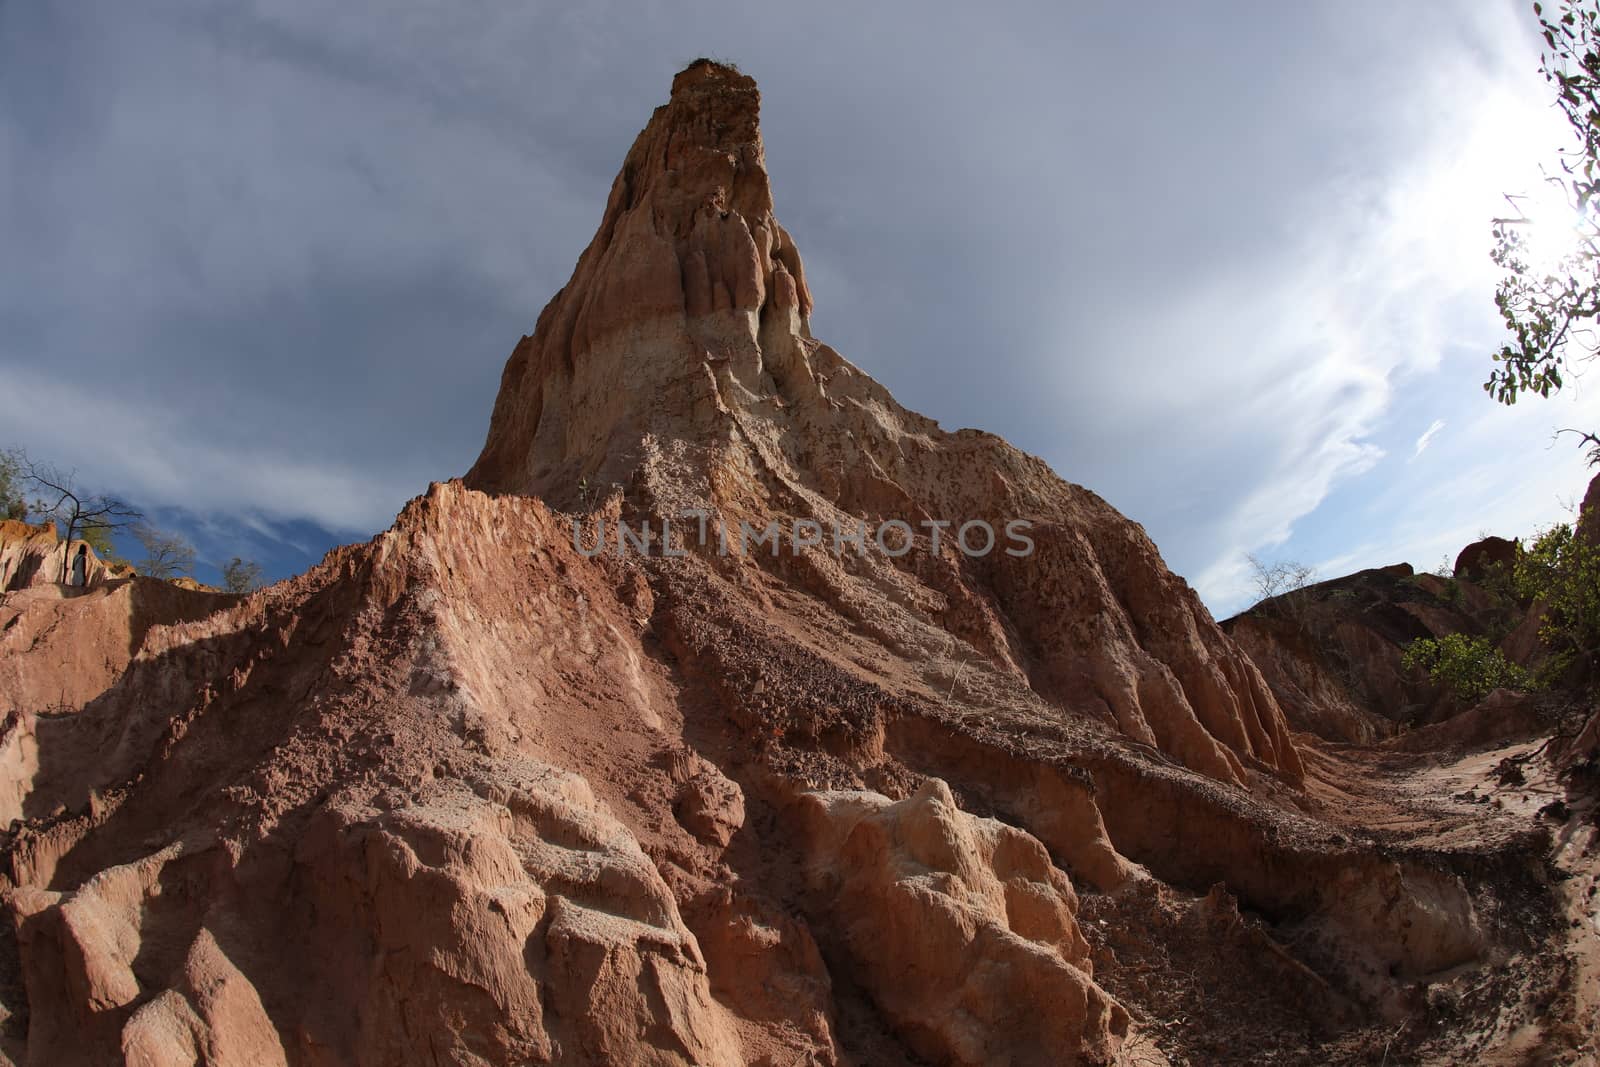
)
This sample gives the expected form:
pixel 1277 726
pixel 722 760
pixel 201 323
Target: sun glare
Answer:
pixel 1547 229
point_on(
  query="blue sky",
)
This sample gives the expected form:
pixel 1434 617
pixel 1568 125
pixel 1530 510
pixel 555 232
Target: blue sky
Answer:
pixel 1225 264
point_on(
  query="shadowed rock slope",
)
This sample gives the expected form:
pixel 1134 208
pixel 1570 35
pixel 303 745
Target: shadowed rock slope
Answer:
pixel 1332 652
pixel 475 793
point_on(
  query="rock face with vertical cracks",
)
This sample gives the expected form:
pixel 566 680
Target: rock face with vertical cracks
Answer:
pixel 678 369
pixel 473 793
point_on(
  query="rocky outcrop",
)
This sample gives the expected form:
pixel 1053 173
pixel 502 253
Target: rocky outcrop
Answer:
pixel 676 372
pixel 965 930
pixel 59 650
pixel 710 806
pixel 516 921
pixel 451 894
pixel 1332 652
pixel 1589 513
pixel 36 555
pixel 1485 557
pixel 90 955
pixel 475 793
pixel 502 925
pixel 1501 715
pixel 1586 745
pixel 1316 684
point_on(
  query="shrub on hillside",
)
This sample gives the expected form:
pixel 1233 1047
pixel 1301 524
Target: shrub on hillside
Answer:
pixel 1562 570
pixel 1470 667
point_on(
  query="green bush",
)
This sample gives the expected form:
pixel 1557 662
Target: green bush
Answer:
pixel 1470 667
pixel 99 539
pixel 1563 571
pixel 12 506
pixel 1499 580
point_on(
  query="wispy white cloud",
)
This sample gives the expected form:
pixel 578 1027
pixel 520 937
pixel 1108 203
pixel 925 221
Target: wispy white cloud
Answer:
pixel 1427 438
pixel 1402 279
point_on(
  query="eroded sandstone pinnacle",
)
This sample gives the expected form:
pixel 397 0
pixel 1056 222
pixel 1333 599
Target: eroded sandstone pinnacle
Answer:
pixel 678 366
pixel 467 794
pixel 688 268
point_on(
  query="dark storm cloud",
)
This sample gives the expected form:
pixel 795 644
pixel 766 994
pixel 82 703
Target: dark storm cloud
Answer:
pixel 267 259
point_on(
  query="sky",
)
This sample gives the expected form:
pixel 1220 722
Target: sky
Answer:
pixel 1225 264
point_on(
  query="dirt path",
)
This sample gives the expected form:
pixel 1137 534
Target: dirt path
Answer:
pixel 1501 803
pixel 1443 801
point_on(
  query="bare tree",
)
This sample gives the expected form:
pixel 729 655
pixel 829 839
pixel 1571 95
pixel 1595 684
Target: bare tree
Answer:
pixel 61 499
pixel 241 575
pixel 166 555
pixel 1277 579
pixel 1587 440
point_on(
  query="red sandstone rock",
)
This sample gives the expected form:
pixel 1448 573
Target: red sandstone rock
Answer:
pixel 32 556
pixel 467 794
pixel 1479 560
pixel 679 364
pixel 1333 652
pixel 964 928
pixel 1589 513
